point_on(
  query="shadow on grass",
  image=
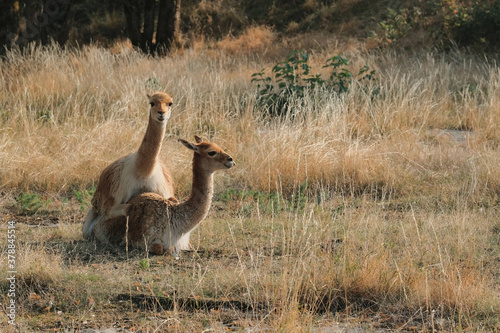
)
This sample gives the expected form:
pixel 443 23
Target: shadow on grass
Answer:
pixel 191 304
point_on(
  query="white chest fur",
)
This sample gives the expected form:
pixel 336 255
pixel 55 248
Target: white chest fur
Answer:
pixel 130 184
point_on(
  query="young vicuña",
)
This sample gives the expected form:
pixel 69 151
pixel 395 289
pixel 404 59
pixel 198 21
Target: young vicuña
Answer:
pixel 156 223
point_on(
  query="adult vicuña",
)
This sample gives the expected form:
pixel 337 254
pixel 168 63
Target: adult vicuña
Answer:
pixel 157 223
pixel 136 173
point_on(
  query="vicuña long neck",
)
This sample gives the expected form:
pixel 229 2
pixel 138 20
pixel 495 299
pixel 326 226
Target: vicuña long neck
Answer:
pixel 194 210
pixel 150 148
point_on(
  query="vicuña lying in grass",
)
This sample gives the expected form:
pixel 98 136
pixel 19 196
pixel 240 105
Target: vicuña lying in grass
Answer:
pixel 139 172
pixel 157 223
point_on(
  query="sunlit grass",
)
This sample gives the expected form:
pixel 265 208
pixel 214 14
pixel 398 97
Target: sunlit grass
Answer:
pixel 380 202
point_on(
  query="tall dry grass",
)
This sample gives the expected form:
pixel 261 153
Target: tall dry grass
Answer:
pixel 67 114
pixel 386 195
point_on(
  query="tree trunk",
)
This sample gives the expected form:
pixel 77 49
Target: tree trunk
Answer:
pixel 168 24
pixel 177 23
pixel 132 10
pixel 149 26
pixel 141 14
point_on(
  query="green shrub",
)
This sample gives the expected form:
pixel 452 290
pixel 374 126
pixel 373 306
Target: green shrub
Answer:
pixel 293 79
pixel 399 24
pixel 473 23
pixel 464 23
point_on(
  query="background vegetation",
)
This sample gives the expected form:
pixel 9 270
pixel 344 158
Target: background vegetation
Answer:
pixel 371 206
pixel 410 24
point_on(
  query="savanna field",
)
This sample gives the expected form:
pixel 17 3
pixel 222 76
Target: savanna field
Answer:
pixel 374 209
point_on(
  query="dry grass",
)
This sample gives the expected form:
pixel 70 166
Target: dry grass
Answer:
pixel 253 40
pixel 377 208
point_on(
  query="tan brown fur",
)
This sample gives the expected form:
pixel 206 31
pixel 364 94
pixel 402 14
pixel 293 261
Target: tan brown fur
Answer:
pixel 139 172
pixel 159 224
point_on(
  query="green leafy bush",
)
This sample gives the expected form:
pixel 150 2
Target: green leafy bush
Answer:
pixel 473 23
pixel 464 23
pixel 399 23
pixel 293 79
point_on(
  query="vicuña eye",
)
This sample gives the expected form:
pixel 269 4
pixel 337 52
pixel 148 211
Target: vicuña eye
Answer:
pixel 211 153
pixel 170 104
pixel 152 104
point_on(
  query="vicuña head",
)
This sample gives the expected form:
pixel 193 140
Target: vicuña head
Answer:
pixel 161 104
pixel 157 223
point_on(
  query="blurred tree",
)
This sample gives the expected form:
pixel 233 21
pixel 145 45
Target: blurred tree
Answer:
pixel 140 17
pixel 132 12
pixel 9 15
pixel 37 21
pixel 168 24
pixel 149 25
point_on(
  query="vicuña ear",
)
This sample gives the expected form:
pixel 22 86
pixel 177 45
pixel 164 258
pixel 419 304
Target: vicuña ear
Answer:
pixel 198 139
pixel 188 145
pixel 149 96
